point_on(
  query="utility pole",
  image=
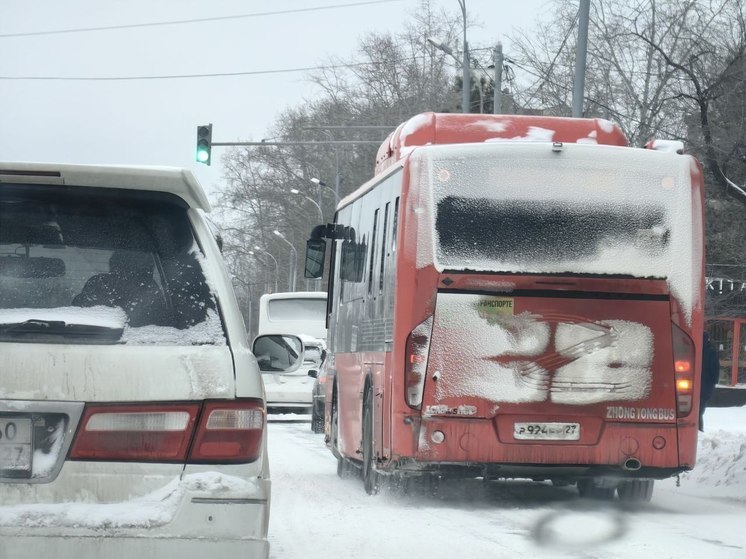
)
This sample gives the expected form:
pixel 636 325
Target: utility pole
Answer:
pixel 580 58
pixel 497 98
pixel 466 81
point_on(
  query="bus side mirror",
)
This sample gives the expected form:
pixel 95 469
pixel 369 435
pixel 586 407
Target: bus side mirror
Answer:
pixel 315 253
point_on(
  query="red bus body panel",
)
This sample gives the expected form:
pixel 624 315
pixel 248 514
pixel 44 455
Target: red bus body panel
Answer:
pixel 479 429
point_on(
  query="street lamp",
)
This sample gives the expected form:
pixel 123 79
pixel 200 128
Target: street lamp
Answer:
pixel 293 262
pixel 319 182
pixel 321 213
pixel 465 70
pixel 277 267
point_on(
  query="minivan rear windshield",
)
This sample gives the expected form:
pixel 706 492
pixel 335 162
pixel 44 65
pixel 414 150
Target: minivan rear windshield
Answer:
pixel 297 309
pixel 101 269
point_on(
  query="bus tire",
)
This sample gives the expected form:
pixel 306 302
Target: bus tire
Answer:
pixel 317 423
pixel 345 468
pixel 636 491
pixel 590 490
pixel 371 478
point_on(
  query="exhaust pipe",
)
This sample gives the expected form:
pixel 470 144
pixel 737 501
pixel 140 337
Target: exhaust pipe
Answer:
pixel 632 464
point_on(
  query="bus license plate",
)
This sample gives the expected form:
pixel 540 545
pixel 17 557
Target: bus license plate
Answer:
pixel 547 431
pixel 15 444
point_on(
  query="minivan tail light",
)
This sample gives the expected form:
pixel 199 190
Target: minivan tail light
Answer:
pixel 683 355
pixel 151 432
pixel 415 368
pixel 229 432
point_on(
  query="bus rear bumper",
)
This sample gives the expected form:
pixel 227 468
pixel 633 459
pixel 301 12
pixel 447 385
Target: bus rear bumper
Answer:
pixel 474 445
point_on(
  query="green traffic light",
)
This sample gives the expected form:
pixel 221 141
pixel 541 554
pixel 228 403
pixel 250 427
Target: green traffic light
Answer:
pixel 204 143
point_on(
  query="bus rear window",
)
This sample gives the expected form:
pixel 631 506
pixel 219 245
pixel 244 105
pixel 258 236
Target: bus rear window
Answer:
pixel 553 233
pixel 521 208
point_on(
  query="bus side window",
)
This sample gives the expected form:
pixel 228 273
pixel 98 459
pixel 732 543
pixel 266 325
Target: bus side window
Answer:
pixel 373 251
pixel 396 224
pixel 383 246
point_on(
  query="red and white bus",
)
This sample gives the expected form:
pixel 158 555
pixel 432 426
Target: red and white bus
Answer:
pixel 516 296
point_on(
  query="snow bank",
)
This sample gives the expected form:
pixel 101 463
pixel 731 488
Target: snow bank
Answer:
pixel 721 456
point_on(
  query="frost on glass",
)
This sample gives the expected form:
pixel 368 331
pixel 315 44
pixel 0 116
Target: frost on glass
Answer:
pixel 487 353
pixel 506 358
pixel 612 362
pixel 519 207
pixel 91 268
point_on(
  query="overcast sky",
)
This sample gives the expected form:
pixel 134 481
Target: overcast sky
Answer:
pixel 153 122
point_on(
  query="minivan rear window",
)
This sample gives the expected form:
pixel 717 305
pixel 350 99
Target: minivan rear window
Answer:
pixel 297 309
pixel 101 269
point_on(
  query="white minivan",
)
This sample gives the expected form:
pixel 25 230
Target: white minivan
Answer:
pixel 303 314
pixel 132 411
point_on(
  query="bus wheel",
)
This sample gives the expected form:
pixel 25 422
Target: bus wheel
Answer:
pixel 636 491
pixel 317 422
pixel 345 468
pixel 588 489
pixel 371 478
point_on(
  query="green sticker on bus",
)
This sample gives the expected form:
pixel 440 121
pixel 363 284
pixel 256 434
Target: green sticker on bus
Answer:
pixel 495 306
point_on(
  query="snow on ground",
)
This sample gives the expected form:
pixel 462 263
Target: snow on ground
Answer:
pixel 315 514
pixel 721 456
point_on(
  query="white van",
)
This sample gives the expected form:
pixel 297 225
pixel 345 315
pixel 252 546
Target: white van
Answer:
pixel 295 312
pixel 301 313
pixel 131 407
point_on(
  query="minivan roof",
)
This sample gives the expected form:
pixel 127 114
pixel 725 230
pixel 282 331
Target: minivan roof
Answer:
pixel 174 180
pixel 295 295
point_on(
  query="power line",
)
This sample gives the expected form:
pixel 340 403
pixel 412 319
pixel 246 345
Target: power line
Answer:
pixel 197 20
pixel 586 97
pixel 570 29
pixel 187 76
pixel 190 76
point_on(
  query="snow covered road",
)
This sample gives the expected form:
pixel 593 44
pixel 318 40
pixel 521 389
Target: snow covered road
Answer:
pixel 315 514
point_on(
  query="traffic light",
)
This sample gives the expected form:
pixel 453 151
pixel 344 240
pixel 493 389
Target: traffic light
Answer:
pixel 204 143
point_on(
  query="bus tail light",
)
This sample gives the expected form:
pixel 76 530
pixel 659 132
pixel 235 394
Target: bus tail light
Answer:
pixel 415 368
pixel 229 432
pixel 683 365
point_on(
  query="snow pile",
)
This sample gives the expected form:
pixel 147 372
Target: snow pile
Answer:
pixel 155 509
pixel 721 464
pixel 209 331
pixel 721 456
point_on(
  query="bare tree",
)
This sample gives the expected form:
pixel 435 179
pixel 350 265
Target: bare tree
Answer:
pixel 389 79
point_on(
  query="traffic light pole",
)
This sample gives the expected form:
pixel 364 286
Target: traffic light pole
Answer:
pixel 300 143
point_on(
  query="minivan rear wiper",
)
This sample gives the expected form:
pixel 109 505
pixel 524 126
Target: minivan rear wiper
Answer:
pixel 35 327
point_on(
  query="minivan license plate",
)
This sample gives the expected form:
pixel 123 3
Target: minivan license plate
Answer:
pixel 547 431
pixel 15 444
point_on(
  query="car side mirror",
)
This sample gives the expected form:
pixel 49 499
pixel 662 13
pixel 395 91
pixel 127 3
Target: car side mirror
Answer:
pixel 278 353
pixel 313 373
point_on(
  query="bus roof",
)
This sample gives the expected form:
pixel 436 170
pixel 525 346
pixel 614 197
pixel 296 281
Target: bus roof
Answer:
pixel 440 128
pixel 174 180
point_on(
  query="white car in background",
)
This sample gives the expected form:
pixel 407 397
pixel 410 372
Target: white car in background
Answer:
pixel 302 314
pixel 132 410
pixel 291 389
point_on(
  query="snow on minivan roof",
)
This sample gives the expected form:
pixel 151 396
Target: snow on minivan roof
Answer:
pixel 174 180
